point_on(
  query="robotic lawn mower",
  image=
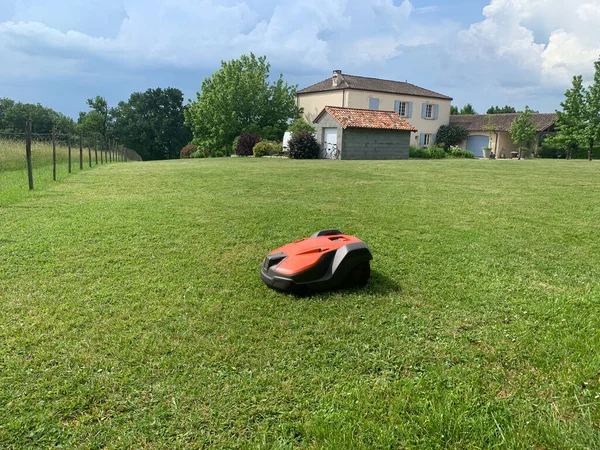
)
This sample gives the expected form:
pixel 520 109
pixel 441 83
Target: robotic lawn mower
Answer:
pixel 327 260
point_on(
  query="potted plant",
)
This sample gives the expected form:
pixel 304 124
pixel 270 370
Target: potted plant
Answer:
pixel 487 152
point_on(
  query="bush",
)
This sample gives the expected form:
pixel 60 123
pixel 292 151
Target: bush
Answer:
pixel 449 135
pixel 303 145
pixel 187 151
pixel 263 148
pixel 219 154
pixel 234 145
pixel 246 143
pixel 433 152
pixel 457 152
pixel 198 154
pixel 300 126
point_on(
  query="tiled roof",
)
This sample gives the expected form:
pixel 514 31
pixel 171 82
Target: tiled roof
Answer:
pixel 501 122
pixel 367 118
pixel 372 84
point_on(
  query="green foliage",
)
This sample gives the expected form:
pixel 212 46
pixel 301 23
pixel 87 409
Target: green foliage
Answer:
pixel 433 152
pixel 238 98
pixel 523 130
pixel 468 110
pixel 235 144
pixel 454 110
pixel 449 135
pixel 571 124
pixel 266 148
pixel 100 118
pixel 14 116
pixel 301 125
pixel 303 145
pixel 592 111
pixel 201 153
pixel 152 123
pixel 457 152
pixel 504 110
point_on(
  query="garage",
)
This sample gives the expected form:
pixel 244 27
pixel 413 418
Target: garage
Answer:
pixel 477 143
pixel 352 133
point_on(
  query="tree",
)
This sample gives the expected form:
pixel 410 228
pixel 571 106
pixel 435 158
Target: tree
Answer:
pixel 449 135
pixel 152 123
pixel 98 120
pixel 523 130
pixel 468 110
pixel 300 125
pixel 454 110
pixel 592 111
pixel 15 115
pixel 504 110
pixel 571 124
pixel 238 97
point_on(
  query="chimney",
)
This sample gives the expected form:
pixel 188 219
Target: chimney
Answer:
pixel 337 77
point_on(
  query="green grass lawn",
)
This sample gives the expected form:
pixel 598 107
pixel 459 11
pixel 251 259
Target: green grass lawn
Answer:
pixel 132 314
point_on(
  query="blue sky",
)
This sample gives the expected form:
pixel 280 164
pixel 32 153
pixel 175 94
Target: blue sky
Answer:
pixel 485 52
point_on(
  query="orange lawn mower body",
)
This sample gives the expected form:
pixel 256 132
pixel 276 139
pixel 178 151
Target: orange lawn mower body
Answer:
pixel 327 260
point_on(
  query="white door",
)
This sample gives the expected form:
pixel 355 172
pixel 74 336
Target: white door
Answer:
pixel 329 150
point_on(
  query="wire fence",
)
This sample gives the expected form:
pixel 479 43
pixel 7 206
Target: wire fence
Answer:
pixel 31 161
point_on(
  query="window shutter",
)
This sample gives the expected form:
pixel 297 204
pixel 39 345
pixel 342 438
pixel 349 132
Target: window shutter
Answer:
pixel 433 137
pixel 409 109
pixel 374 103
pixel 436 111
pixel 397 106
pixel 424 111
pixel 422 139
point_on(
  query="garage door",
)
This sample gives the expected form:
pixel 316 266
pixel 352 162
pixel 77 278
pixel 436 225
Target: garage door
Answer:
pixel 329 150
pixel 476 143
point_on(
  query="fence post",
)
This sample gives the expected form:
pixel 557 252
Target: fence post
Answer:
pixel 28 154
pixel 89 151
pixel 81 150
pixel 96 149
pixel 69 144
pixel 53 153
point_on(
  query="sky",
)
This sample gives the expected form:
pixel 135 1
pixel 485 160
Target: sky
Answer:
pixel 485 52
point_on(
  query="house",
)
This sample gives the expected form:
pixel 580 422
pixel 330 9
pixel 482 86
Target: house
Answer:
pixel 492 130
pixel 353 133
pixel 426 110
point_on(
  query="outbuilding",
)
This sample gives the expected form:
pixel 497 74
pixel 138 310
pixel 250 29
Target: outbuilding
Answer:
pixel 352 133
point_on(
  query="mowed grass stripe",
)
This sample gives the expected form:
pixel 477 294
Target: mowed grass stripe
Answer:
pixel 132 314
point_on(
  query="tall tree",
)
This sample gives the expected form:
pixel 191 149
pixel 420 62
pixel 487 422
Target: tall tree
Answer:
pixel 16 115
pixel 152 123
pixel 454 110
pixel 523 130
pixel 5 105
pixel 592 111
pixel 468 110
pixel 237 98
pixel 504 110
pixel 571 123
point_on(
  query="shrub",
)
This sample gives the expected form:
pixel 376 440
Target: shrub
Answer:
pixel 301 125
pixel 234 145
pixel 434 152
pixel 198 154
pixel 303 145
pixel 449 135
pixel 457 152
pixel 187 151
pixel 263 148
pixel 219 154
pixel 246 143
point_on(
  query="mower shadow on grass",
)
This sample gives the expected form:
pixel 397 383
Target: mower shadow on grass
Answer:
pixel 379 284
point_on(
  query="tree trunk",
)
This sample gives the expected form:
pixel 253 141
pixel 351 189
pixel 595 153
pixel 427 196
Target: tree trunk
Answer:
pixel 520 153
pixel 590 151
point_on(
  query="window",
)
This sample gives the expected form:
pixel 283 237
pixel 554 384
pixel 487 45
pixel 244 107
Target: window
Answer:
pixel 402 109
pixel 374 103
pixel 429 112
pixel 426 140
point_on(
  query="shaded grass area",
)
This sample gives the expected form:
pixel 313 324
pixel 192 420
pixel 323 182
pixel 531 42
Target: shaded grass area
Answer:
pixel 132 313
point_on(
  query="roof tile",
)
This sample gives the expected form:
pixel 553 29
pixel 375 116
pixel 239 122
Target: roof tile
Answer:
pixel 374 85
pixel 367 118
pixel 501 122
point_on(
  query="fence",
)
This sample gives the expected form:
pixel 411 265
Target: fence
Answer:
pixel 32 160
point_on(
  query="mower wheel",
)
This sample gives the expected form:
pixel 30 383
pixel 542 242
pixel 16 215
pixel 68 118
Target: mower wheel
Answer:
pixel 359 275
